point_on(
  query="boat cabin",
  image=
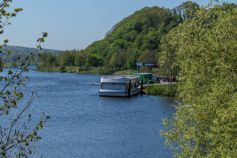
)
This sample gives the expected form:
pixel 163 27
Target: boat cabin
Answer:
pixel 119 86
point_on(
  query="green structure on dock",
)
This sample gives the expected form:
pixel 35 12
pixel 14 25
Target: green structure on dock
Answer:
pixel 145 77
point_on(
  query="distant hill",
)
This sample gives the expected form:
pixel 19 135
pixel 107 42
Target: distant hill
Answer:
pixel 17 54
pixel 27 50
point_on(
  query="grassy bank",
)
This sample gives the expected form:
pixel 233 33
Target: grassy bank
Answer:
pixel 86 70
pixel 125 72
pixel 74 69
pixel 91 70
pixel 162 90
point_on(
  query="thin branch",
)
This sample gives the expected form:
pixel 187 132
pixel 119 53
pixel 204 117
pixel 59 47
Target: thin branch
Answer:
pixel 13 123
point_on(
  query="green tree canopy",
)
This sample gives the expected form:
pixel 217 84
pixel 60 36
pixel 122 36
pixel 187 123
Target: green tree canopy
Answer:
pixel 80 59
pixel 67 58
pixel 205 125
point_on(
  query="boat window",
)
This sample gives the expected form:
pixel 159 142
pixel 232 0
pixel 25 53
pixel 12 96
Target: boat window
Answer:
pixel 115 86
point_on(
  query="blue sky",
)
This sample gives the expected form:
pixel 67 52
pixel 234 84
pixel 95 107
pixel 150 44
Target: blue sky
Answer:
pixel 73 24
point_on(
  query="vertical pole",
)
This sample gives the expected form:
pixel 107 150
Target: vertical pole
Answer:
pixel 138 69
pixel 129 89
pixel 141 91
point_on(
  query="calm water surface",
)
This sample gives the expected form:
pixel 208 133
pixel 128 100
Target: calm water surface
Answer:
pixel 84 125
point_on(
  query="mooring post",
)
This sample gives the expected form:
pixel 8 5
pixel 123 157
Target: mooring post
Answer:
pixel 129 89
pixel 141 91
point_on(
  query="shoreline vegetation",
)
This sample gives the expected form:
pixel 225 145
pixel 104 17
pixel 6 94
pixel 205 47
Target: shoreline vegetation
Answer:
pixel 168 90
pixel 91 70
pixel 72 69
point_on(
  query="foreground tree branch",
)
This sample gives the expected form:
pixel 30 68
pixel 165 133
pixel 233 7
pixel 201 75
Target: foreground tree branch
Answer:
pixel 18 132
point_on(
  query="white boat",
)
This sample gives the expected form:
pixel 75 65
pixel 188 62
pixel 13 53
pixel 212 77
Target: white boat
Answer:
pixel 119 86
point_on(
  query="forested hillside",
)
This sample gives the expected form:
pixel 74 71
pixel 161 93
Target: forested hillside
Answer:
pixel 135 38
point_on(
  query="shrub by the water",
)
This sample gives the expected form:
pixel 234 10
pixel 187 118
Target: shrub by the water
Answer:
pixel 162 90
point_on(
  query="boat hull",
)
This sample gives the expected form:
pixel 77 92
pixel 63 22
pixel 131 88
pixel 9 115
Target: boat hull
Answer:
pixel 109 93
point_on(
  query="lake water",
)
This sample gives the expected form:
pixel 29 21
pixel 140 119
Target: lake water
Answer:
pixel 84 125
